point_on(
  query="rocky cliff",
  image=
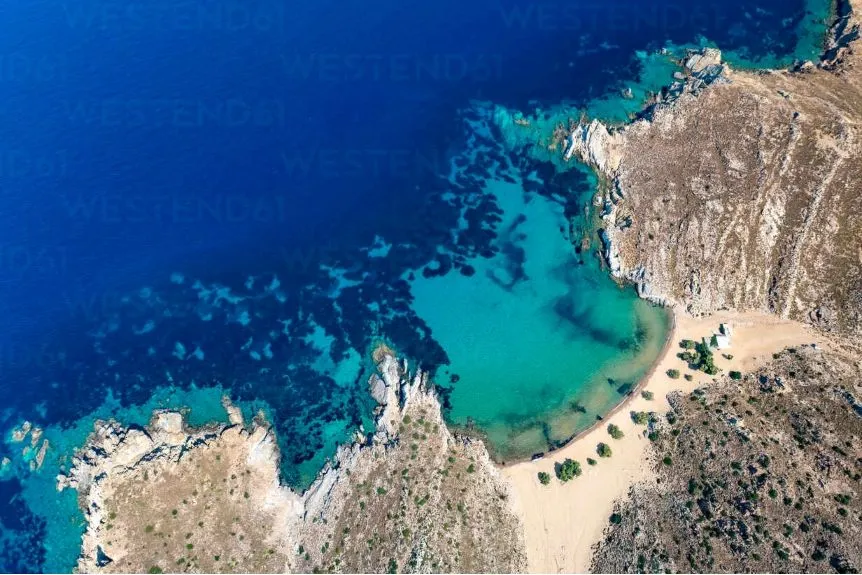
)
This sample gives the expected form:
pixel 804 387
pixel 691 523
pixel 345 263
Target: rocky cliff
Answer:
pixel 741 190
pixel 412 497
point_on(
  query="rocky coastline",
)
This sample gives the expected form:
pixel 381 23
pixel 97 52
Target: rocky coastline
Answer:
pixel 721 152
pixel 168 497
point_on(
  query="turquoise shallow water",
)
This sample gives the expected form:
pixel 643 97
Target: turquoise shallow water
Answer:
pixel 540 339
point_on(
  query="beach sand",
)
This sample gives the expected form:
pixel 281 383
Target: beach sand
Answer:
pixel 563 521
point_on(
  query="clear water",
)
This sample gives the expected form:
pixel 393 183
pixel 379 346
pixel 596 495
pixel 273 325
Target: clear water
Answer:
pixel 540 340
pixel 208 198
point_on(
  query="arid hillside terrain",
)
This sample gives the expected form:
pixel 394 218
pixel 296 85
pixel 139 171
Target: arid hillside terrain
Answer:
pixel 757 475
pixel 742 190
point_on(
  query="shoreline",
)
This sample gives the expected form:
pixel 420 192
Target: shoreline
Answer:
pixel 562 521
pixel 625 400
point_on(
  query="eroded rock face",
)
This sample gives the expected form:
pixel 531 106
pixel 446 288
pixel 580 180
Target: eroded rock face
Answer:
pixel 745 194
pixel 412 496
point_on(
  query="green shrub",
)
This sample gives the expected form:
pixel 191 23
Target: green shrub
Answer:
pixel 640 417
pixel 615 431
pixel 687 344
pixel 604 450
pixel 673 373
pixel 568 470
pixel 155 570
pixel 591 461
pixel 667 460
pixel 706 359
pixel 647 395
pixel 544 478
pixel 689 377
pixel 735 375
pixel 616 518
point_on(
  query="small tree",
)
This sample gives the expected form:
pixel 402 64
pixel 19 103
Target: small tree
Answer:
pixel 568 470
pixel 615 431
pixel 544 478
pixel 640 417
pixel 604 450
pixel 591 461
pixel 687 344
pixel 673 373
pixel 647 395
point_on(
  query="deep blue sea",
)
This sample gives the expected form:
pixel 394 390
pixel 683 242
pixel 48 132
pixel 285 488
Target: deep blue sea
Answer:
pixel 203 197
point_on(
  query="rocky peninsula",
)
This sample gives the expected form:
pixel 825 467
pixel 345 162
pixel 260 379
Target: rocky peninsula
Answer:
pixel 411 497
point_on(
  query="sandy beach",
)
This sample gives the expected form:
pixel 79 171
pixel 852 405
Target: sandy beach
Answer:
pixel 563 521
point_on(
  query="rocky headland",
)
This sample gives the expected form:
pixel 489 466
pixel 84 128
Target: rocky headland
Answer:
pixel 740 190
pixel 411 497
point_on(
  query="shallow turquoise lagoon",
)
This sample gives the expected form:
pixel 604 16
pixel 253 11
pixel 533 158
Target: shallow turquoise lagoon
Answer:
pixel 541 341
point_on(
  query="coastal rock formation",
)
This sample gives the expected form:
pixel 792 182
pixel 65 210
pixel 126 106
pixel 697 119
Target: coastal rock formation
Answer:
pixel 411 497
pixel 34 450
pixel 756 475
pixel 417 499
pixel 175 499
pixel 742 190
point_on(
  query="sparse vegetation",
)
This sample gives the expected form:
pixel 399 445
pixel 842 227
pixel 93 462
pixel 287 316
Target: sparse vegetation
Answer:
pixel 568 470
pixel 758 497
pixel 640 417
